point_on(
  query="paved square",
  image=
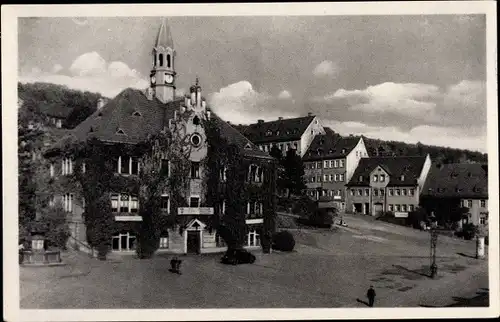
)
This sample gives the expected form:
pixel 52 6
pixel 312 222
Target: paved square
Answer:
pixel 327 269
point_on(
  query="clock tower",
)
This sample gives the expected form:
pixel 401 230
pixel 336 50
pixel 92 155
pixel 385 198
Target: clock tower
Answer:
pixel 162 75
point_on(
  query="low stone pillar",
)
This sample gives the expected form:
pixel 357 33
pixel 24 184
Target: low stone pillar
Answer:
pixel 480 247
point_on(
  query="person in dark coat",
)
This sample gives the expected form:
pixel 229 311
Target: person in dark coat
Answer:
pixel 175 264
pixel 371 296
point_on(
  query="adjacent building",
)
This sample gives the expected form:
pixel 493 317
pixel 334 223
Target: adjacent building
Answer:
pixel 130 118
pixel 286 134
pixel 383 184
pixel 329 163
pixel 451 186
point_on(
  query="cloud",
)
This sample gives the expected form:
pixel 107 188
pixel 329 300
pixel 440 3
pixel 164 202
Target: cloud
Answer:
pixel 284 94
pixel 56 68
pixel 325 68
pixel 426 134
pixel 90 72
pixel 389 97
pixel 240 103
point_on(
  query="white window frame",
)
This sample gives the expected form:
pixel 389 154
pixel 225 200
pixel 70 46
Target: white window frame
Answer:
pixel 325 178
pixel 130 161
pixel 391 192
pixel 51 170
pixel 469 203
pixel 482 220
pixel 168 202
pixel 341 163
pixel 411 192
pixel 252 238
pixel 391 207
pixel 67 166
pixel 382 177
pixel 325 164
pixel 84 167
pixel 128 203
pixel 119 237
pixel 375 178
pixel 336 177
pixel 397 192
pixel 411 208
pixel 483 203
pixel 367 192
pixel 403 192
pixel 331 163
pixel 68 202
pixel 336 163
pixel 341 177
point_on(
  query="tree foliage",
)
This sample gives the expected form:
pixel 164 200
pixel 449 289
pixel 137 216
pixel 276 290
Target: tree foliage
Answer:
pixel 290 172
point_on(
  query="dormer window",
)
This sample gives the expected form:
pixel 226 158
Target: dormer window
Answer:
pixel 120 131
pixel 343 151
pixel 402 177
pixel 136 113
pixel 458 189
pixel 360 178
pixel 278 132
pixel 248 146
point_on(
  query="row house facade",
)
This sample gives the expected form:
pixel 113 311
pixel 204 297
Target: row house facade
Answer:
pixel 130 118
pixel 329 164
pixel 285 134
pixel 458 185
pixel 382 184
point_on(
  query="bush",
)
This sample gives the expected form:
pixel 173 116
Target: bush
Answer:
pixel 322 218
pixel 469 231
pixel 304 207
pixel 283 241
pixel 54 219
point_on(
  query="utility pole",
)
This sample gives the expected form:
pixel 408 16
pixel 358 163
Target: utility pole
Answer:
pixel 434 239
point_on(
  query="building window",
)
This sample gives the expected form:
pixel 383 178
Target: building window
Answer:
pixel 403 191
pixel 313 165
pixel 52 201
pixel 367 192
pixel 128 165
pixel 411 192
pixel 375 192
pixel 195 170
pixel 398 192
pixel 318 165
pixel 123 242
pixel 352 192
pixel 165 168
pixel 84 167
pixel 194 202
pixel 67 166
pixel 411 208
pixel 341 163
pixel 469 203
pixel 382 177
pixel 402 177
pixel 313 179
pixel 331 177
pixel 391 192
pixel 482 220
pixel 168 61
pixel 325 164
pixel 336 177
pixel 223 174
pixel 223 207
pixel 336 163
pixel 160 58
pixel 483 203
pixel 382 192
pixel 58 124
pixel 341 177
pixel 318 178
pixel 114 202
pixel 253 238
pixel 360 192
pixel 397 207
pixel 163 242
pixel 124 203
pixel 325 178
pixel 51 170
pixel 403 207
pixel 360 178
pixel 68 202
pixel 331 163
pixel 339 192
pixel 391 207
pixel 375 178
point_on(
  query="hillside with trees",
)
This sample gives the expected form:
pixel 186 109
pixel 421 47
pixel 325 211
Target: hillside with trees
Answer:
pixel 39 96
pixel 438 154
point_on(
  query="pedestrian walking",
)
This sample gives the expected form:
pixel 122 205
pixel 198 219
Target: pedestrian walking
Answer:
pixel 371 296
pixel 175 265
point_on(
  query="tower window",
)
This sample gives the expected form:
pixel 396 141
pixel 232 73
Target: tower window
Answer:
pixel 168 61
pixel 160 58
pixel 196 120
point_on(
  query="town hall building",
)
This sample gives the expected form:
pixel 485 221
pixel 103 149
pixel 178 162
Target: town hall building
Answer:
pixel 129 119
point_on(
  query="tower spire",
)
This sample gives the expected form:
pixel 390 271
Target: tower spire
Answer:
pixel 164 37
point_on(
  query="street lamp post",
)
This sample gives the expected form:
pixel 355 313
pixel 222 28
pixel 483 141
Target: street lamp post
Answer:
pixel 434 239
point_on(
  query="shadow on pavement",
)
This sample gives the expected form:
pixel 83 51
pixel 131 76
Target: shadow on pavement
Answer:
pixel 411 271
pixel 466 255
pixel 363 302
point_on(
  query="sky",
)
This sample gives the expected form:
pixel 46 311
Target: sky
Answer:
pixel 404 78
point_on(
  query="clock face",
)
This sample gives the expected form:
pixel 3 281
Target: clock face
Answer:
pixel 169 79
pixel 153 80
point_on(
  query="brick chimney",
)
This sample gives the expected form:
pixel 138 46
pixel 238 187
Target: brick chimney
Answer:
pixel 309 114
pixel 260 121
pixel 280 118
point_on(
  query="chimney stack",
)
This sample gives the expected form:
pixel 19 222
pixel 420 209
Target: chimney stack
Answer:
pixel 309 114
pixel 280 118
pixel 102 101
pixel 260 121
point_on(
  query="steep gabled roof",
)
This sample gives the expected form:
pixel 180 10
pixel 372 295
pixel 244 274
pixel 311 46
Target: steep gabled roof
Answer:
pixel 130 118
pixel 457 180
pixel 410 167
pixel 276 131
pixel 330 145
